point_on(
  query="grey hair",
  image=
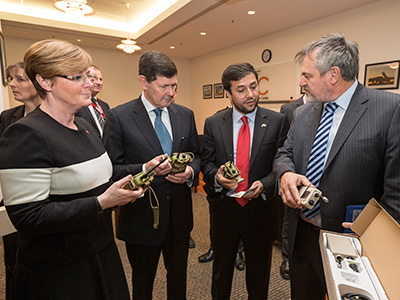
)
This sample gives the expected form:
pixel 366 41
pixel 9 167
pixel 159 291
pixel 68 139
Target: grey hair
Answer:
pixel 333 50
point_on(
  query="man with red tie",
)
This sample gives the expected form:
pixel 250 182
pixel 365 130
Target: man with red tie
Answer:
pixel 96 113
pixel 249 135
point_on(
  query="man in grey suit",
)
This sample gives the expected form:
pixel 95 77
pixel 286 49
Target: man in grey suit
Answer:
pixel 361 160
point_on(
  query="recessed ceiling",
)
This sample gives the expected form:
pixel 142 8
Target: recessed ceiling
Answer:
pixel 226 22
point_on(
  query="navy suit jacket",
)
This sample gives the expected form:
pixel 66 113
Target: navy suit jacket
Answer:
pixel 363 162
pixel 131 141
pixel 87 115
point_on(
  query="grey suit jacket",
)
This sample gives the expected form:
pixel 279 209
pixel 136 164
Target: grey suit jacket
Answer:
pixel 131 141
pixel 364 161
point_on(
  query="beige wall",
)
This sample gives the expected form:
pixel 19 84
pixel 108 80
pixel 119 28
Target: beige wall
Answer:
pixel 119 71
pixel 4 103
pixel 374 27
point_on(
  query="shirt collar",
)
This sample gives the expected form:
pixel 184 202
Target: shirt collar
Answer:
pixel 250 116
pixel 344 99
pixel 150 107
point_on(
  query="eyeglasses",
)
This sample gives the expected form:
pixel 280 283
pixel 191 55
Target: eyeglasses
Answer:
pixel 77 78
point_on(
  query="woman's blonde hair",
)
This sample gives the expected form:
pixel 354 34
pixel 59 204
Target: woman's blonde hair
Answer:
pixel 49 58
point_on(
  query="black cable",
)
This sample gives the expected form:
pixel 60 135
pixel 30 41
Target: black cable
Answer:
pixel 351 296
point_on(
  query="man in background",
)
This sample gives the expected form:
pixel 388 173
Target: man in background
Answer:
pixel 250 136
pixel 137 136
pixel 288 110
pixel 96 113
pixel 346 143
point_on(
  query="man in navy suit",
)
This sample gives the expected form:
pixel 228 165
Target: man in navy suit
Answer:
pixel 253 217
pixel 362 156
pixel 134 143
pixel 96 113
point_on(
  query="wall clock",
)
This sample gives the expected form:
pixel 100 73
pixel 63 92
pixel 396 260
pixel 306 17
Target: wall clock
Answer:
pixel 266 55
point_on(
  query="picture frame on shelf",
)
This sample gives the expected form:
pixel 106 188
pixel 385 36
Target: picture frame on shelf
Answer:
pixel 383 75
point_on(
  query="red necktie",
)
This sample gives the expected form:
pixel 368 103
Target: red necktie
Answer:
pixel 242 158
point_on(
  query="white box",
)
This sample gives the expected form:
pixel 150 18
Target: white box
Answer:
pixel 376 252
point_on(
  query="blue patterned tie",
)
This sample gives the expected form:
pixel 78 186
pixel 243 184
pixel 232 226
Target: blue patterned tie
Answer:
pixel 316 161
pixel 162 132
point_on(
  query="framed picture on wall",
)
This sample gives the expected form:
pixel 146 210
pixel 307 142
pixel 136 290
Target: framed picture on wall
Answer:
pixel 382 76
pixel 207 91
pixel 3 59
pixel 218 90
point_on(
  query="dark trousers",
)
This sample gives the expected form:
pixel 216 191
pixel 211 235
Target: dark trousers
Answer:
pixel 232 223
pixel 307 279
pixel 10 254
pixel 144 261
pixel 240 246
pixel 285 242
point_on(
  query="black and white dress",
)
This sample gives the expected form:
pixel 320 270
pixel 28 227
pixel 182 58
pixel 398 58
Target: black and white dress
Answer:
pixel 50 177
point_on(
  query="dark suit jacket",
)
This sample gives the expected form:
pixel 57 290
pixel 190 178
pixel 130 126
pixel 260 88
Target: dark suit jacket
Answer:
pixel 363 162
pixel 131 141
pixel 87 115
pixel 269 135
pixel 289 108
pixel 10 116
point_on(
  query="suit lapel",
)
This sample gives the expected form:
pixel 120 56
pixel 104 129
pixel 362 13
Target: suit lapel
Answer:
pixel 310 130
pixel 87 111
pixel 226 130
pixel 176 125
pixel 18 114
pixel 143 123
pixel 354 112
pixel 260 128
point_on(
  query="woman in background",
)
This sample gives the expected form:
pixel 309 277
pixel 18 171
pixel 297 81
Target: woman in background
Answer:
pixel 56 181
pixel 23 91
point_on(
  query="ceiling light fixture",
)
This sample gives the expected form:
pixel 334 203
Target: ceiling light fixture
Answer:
pixel 251 12
pixel 128 46
pixel 203 33
pixel 74 7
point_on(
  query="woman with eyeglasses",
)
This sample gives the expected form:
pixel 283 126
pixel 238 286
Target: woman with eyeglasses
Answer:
pixel 23 91
pixel 57 189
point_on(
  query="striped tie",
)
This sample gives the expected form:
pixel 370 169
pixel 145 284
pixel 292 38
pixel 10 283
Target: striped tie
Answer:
pixel 316 162
pixel 99 112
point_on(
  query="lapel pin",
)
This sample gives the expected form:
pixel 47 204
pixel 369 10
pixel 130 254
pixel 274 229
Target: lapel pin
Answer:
pixel 264 125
